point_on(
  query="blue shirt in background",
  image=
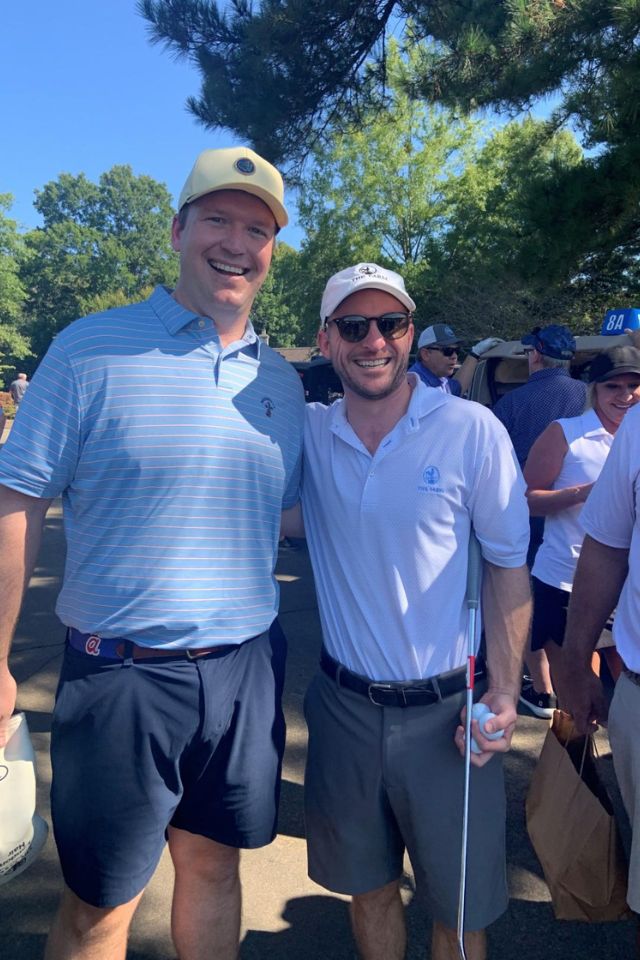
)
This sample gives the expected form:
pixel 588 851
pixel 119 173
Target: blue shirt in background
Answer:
pixel 432 381
pixel 528 410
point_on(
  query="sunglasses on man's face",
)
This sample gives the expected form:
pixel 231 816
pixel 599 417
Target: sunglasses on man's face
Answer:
pixel 446 351
pixel 354 328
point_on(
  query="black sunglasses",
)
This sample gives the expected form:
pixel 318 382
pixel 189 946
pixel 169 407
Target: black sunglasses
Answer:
pixel 446 351
pixel 354 328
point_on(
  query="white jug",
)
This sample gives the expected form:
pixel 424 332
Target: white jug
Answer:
pixel 22 831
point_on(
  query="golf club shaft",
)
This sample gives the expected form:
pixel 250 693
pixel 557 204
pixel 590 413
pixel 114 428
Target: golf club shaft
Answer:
pixel 472 599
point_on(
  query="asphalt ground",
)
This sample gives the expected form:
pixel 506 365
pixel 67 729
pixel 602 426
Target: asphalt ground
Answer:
pixel 284 913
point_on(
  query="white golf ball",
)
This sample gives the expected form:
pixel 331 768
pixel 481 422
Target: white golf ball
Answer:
pixel 481 712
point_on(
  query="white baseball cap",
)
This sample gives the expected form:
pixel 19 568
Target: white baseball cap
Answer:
pixel 236 168
pixel 364 276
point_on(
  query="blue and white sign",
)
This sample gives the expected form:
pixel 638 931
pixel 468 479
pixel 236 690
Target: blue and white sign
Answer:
pixel 617 321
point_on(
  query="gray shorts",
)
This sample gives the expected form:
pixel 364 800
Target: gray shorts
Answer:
pixel 382 779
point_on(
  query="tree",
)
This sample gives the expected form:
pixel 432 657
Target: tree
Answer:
pixel 461 212
pixel 291 65
pixel 383 190
pixel 310 63
pixel 271 313
pixel 100 245
pixel 284 73
pixel 14 345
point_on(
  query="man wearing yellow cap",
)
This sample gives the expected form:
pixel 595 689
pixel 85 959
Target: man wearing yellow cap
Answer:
pixel 173 436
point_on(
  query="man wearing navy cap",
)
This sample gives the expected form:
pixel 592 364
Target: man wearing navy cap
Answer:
pixel 549 394
pixel 438 358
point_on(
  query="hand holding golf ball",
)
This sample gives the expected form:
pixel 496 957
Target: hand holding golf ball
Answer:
pixel 482 713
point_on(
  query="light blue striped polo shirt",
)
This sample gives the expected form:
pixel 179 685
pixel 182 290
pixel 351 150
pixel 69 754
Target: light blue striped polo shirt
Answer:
pixel 174 458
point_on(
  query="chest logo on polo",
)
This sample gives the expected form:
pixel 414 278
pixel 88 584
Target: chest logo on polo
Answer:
pixel 269 406
pixel 430 480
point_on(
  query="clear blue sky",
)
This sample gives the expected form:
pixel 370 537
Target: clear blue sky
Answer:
pixel 82 89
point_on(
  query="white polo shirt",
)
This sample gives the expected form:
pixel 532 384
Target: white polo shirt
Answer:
pixel 611 516
pixel 388 534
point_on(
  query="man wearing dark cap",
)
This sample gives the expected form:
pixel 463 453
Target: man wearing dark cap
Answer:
pixel 438 358
pixel 167 721
pixel 549 394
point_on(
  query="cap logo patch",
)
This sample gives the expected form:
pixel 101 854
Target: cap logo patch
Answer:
pixel 370 271
pixel 245 166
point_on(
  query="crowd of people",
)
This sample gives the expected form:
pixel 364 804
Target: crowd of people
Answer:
pixel 168 724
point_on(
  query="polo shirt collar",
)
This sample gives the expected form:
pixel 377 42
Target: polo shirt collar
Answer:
pixel 175 318
pixel 424 400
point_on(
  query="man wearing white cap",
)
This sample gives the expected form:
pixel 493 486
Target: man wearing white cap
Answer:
pixel 438 359
pixel 174 437
pixel 396 475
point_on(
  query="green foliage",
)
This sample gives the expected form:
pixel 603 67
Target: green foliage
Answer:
pixel 271 312
pixel 285 74
pixel 282 60
pixel 11 290
pixel 100 245
pixel 14 344
pixel 382 191
pixel 463 214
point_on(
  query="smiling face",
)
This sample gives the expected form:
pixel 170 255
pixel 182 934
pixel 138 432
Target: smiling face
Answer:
pixel 613 398
pixel 225 246
pixel 373 368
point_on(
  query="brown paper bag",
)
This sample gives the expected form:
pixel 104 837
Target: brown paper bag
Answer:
pixel 573 831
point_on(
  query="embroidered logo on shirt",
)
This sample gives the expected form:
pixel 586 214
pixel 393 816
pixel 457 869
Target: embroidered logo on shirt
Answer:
pixel 269 406
pixel 92 646
pixel 431 478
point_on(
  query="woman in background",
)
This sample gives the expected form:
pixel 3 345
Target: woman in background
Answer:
pixel 561 469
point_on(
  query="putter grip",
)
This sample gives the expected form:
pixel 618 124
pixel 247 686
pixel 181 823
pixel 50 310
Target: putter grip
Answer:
pixel 474 573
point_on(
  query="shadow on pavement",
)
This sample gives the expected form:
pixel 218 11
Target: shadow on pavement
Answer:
pixel 318 926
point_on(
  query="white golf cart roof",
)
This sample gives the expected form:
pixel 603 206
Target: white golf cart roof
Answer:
pixel 505 366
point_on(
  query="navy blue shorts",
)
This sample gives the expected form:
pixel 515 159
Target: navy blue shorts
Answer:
pixel 549 622
pixel 195 744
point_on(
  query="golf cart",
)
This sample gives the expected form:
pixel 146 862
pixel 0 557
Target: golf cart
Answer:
pixel 505 367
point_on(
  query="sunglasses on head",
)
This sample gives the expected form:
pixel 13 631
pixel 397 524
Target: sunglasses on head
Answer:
pixel 354 328
pixel 446 351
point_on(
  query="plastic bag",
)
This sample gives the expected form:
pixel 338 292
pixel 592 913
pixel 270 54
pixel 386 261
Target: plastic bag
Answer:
pixel 22 831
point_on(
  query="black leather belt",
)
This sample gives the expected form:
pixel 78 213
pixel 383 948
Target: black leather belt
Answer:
pixel 393 694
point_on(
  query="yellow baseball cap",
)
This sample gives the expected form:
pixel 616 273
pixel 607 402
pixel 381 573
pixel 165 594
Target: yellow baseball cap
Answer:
pixel 236 168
